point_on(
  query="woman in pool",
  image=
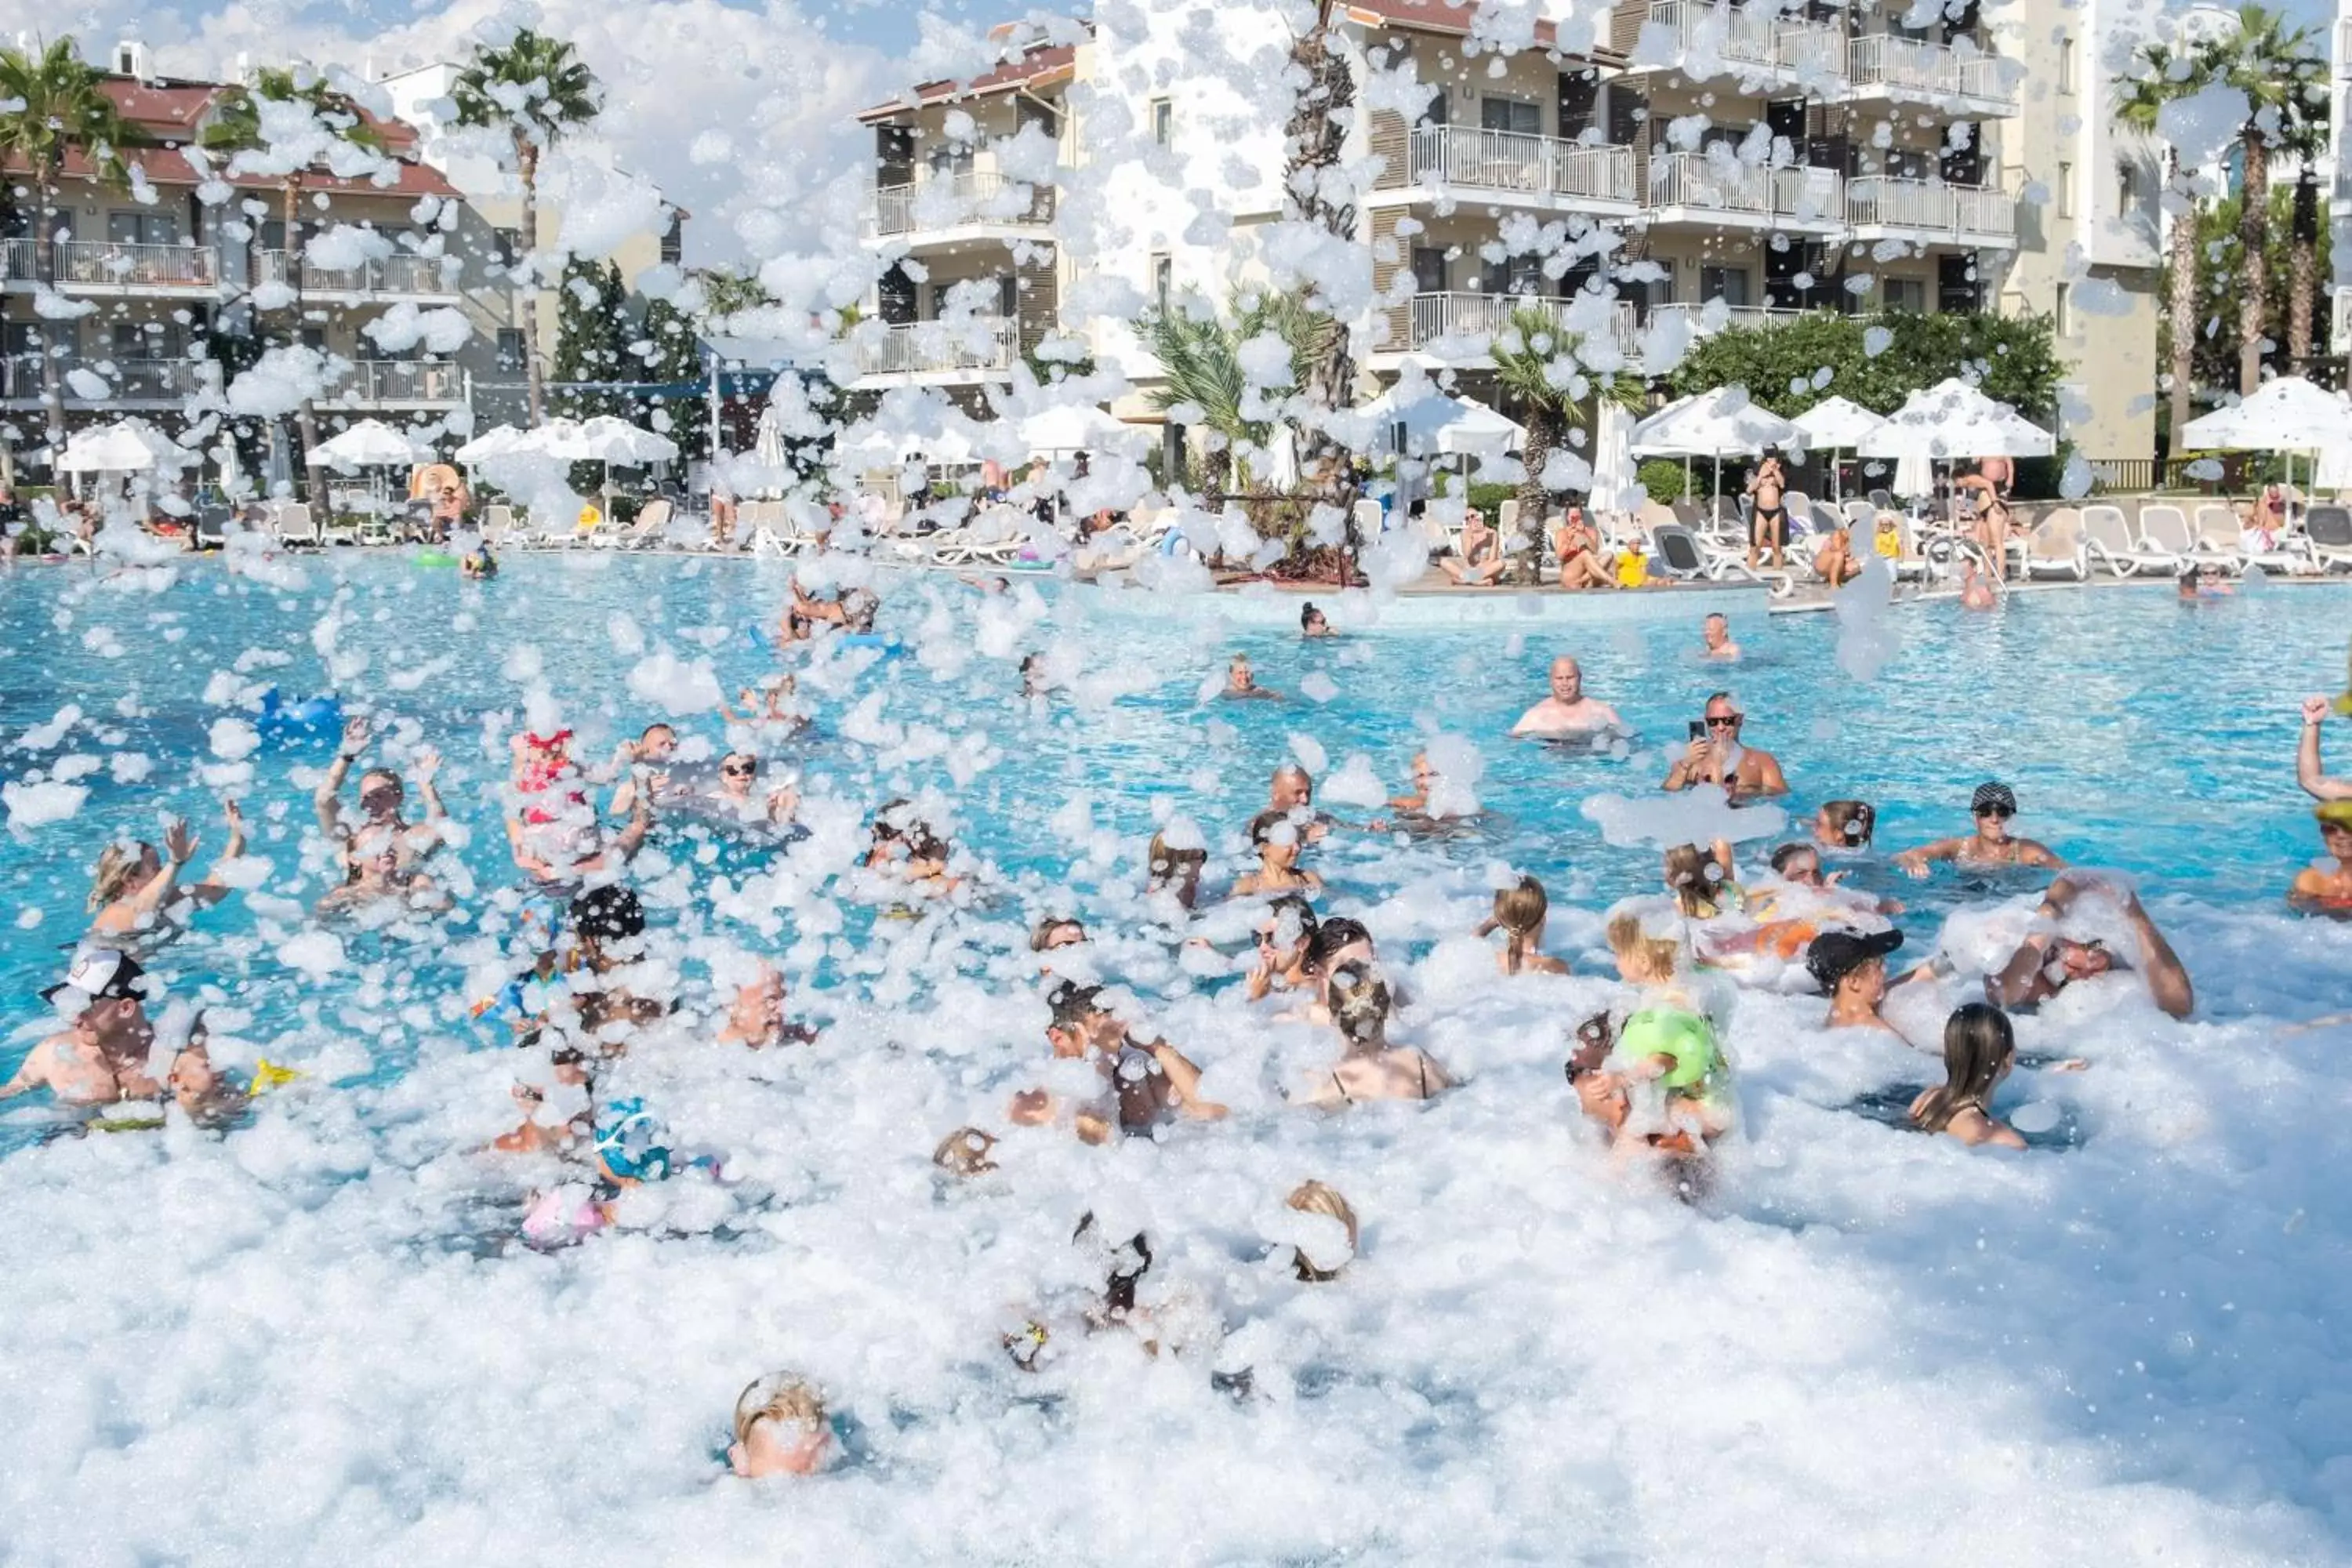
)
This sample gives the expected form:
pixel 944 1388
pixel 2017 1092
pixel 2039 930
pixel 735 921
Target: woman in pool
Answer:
pixel 382 829
pixel 767 714
pixel 905 848
pixel 1275 838
pixel 756 1018
pixel 1173 873
pixel 1372 1069
pixel 1314 623
pixel 1700 881
pixel 1519 913
pixel 1285 933
pixel 2324 886
pixel 1317 1259
pixel 781 1429
pixel 478 564
pixel 136 892
pixel 1147 1084
pixel 1990 844
pixel 1845 824
pixel 1241 682
pixel 736 796
pixel 1979 1050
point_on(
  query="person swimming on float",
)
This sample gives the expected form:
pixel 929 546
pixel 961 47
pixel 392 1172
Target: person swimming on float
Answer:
pixel 2324 886
pixel 135 894
pixel 2048 960
pixel 1991 806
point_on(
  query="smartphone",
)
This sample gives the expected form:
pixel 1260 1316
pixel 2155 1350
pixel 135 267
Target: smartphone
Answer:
pixel 1698 728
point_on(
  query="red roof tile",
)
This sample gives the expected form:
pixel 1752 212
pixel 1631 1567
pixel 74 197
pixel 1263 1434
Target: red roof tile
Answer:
pixel 1035 67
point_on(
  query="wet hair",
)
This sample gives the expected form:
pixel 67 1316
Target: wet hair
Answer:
pixel 1521 907
pixel 1308 614
pixel 1164 864
pixel 1977 1043
pixel 1852 820
pixel 1654 957
pixel 1262 826
pixel 1314 1197
pixel 1788 855
pixel 1295 904
pixel 777 1397
pixel 117 864
pixel 1042 934
pixel 1332 937
pixel 1688 868
pixel 922 844
pixel 859 608
pixel 1359 1006
pixel 610 913
pixel 1118 1290
pixel 965 1151
pixel 1073 1003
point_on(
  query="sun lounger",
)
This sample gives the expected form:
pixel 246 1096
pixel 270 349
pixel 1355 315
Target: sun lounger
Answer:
pixel 2107 537
pixel 497 522
pixel 2053 547
pixel 2215 536
pixel 1677 552
pixel 2164 531
pixel 293 525
pixel 2327 530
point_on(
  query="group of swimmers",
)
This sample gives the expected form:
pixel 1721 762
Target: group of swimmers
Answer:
pixel 1651 1072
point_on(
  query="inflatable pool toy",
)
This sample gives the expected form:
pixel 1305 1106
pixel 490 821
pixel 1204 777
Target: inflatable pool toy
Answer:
pixel 436 558
pixel 304 716
pixel 129 1116
pixel 268 1075
pixel 867 639
pixel 1685 1039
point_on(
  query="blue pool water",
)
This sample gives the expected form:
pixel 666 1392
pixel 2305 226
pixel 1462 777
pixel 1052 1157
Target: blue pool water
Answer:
pixel 2138 734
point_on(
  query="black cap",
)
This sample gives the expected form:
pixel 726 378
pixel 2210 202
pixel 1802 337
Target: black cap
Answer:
pixel 1989 795
pixel 1834 954
pixel 101 974
pixel 1073 1003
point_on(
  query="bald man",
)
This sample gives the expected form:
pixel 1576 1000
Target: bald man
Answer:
pixel 1568 711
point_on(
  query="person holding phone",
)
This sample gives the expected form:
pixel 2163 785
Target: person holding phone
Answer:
pixel 1716 756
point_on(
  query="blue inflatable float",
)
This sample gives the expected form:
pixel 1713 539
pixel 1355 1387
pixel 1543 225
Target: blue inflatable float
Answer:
pixel 303 717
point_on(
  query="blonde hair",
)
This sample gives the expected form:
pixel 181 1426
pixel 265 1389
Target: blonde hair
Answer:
pixel 117 864
pixel 1695 891
pixel 965 1151
pixel 1314 1197
pixel 777 1397
pixel 1653 958
pixel 1163 863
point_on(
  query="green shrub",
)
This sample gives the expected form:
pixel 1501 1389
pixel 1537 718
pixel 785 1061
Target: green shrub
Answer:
pixel 1662 480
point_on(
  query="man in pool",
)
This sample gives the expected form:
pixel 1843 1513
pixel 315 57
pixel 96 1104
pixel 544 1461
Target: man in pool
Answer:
pixel 1716 632
pixel 1568 711
pixel 1850 966
pixel 1146 1085
pixel 648 757
pixel 1293 791
pixel 1241 682
pixel 2047 962
pixel 1717 757
pixel 101 1056
pixel 1990 844
pixel 2326 886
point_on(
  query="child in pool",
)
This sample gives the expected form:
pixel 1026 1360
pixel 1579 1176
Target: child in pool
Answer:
pixel 1979 1048
pixel 781 1429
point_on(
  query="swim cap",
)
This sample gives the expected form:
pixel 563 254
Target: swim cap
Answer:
pixel 2334 813
pixel 1673 1032
pixel 630 1142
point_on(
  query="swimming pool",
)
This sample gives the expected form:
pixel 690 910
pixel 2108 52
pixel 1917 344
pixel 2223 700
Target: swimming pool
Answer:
pixel 322 1297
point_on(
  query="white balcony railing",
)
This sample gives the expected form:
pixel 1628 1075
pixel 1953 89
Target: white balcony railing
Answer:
pixel 1709 316
pixel 377 381
pixel 99 263
pixel 1909 67
pixel 1930 207
pixel 127 380
pixel 1748 41
pixel 917 348
pixel 387 275
pixel 1510 160
pixel 1805 196
pixel 1467 319
pixel 950 201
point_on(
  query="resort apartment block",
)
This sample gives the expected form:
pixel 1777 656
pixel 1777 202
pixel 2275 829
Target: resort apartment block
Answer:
pixel 1668 170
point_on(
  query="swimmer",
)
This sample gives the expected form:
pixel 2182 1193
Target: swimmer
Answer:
pixel 1799 866
pixel 2308 773
pixel 478 564
pixel 1668 1041
pixel 1700 881
pixel 1313 623
pixel 1990 844
pixel 2204 582
pixel 766 711
pixel 1845 824
pixel 1277 841
pixel 1978 592
pixel 1714 632
pixel 380 829
pixel 1147 1084
pixel 101 1057
pixel 2047 962
pixel 1292 792
pixel 738 796
pixel 1319 1259
pixel 1979 1048
pixel 1241 682
pixel 1034 680
pixel 1174 872
pixel 904 847
pixel 1716 756
pixel 2326 886
pixel 644 759
pixel 1851 968
pixel 1372 1069
pixel 756 1019
pixel 1568 711
pixel 135 891
pixel 200 1089
pixel 781 1429
pixel 1519 913
pixel 1284 936
pixel 575 1118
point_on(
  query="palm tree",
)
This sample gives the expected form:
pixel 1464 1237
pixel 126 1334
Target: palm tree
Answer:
pixel 2271 66
pixel 2162 75
pixel 1200 361
pixel 237 127
pixel 54 103
pixel 1537 368
pixel 1315 138
pixel 2306 141
pixel 537 91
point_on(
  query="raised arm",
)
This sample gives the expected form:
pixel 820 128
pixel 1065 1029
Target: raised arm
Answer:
pixel 179 847
pixel 1185 1079
pixel 214 888
pixel 324 800
pixel 2014 982
pixel 427 767
pixel 2168 978
pixel 2316 783
pixel 632 833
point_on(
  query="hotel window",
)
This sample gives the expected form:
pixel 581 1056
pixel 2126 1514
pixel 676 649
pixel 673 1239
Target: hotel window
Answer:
pixel 2065 190
pixel 1163 281
pixel 1729 284
pixel 142 229
pixel 2066 65
pixel 2063 313
pixel 1428 269
pixel 1512 114
pixel 1902 296
pixel 1163 121
pixel 673 240
pixel 511 349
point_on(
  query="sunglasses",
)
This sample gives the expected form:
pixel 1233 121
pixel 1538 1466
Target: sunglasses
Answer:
pixel 733 771
pixel 1726 721
pixel 2003 812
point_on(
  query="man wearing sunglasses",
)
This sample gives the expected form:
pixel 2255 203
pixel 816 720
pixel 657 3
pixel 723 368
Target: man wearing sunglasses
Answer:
pixel 1990 844
pixel 1716 756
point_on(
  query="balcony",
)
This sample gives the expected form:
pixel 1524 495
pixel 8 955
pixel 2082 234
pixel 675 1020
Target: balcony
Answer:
pixel 377 381
pixel 1702 318
pixel 129 379
pixel 1707 42
pixel 1461 326
pixel 939 348
pixel 102 266
pixel 1908 70
pixel 1929 211
pixel 983 199
pixel 1707 187
pixel 1511 163
pixel 419 275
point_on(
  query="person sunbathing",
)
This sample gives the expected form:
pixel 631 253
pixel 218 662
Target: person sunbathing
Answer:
pixel 1481 561
pixel 1582 562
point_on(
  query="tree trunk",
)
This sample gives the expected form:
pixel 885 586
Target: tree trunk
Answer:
pixel 1315 136
pixel 53 370
pixel 2253 237
pixel 2302 268
pixel 1544 428
pixel 534 373
pixel 2182 305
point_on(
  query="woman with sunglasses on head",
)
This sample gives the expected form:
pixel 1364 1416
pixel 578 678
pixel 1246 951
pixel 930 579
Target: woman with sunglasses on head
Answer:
pixel 1990 845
